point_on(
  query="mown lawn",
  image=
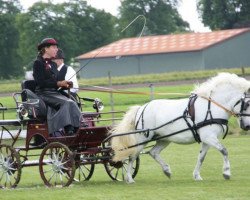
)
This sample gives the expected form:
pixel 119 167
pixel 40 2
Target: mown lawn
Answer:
pixel 150 181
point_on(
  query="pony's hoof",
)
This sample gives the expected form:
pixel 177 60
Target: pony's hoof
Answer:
pixel 168 174
pixel 129 180
pixel 197 178
pixel 226 176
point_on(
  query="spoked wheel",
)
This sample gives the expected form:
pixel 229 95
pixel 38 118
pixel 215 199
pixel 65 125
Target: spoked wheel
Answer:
pixel 117 170
pixel 57 165
pixel 84 171
pixel 10 167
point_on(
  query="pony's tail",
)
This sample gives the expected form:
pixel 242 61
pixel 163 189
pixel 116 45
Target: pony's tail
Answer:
pixel 120 144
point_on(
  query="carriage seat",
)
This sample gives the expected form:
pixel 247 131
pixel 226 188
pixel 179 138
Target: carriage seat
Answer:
pixel 32 103
pixel 29 84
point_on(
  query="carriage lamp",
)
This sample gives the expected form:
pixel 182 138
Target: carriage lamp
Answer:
pixel 22 111
pixel 98 105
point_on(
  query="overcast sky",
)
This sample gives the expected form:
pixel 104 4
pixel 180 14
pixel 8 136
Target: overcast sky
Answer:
pixel 187 10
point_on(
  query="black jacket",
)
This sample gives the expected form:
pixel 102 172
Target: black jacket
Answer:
pixel 45 74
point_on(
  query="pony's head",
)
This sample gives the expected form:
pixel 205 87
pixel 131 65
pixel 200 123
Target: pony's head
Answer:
pixel 244 114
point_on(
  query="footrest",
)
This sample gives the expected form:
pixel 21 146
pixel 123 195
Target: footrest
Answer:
pixel 10 122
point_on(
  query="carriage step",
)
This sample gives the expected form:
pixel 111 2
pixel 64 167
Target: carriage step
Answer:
pixel 30 147
pixel 33 162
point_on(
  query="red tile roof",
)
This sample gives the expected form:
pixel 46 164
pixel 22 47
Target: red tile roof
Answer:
pixel 163 44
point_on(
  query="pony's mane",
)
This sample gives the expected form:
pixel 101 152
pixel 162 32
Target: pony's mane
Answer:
pixel 224 78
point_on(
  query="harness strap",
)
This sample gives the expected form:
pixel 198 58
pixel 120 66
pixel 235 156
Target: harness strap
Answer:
pixel 221 106
pixel 209 120
pixel 191 108
pixel 190 112
pixel 193 130
pixel 214 121
pixel 141 117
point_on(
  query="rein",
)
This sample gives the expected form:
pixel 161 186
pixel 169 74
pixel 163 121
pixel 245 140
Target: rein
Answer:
pixel 117 91
pixel 188 113
pixel 221 106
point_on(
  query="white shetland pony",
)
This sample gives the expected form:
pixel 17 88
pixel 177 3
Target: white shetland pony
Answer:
pixel 203 118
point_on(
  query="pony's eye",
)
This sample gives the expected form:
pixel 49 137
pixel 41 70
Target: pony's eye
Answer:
pixel 246 105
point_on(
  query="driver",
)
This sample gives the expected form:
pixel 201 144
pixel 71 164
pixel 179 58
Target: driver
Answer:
pixel 62 111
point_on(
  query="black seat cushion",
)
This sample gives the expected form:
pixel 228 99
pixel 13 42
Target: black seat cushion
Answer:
pixel 29 84
pixel 34 105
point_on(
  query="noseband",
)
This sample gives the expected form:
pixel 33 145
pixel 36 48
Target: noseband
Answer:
pixel 244 106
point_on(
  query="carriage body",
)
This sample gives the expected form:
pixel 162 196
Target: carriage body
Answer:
pixel 70 157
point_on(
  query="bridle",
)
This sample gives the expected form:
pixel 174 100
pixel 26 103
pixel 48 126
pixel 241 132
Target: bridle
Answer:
pixel 245 103
pixel 243 107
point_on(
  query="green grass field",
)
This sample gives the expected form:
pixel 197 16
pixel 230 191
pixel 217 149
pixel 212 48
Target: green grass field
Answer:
pixel 151 183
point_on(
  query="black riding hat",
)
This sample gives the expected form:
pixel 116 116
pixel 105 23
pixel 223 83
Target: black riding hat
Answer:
pixel 60 54
pixel 46 43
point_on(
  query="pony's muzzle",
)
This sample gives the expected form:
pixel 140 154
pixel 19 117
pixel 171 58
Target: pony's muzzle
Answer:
pixel 243 126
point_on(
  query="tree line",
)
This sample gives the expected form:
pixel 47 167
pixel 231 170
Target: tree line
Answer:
pixel 79 28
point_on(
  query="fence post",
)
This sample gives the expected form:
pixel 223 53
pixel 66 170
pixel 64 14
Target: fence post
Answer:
pixel 151 91
pixel 111 98
pixel 243 71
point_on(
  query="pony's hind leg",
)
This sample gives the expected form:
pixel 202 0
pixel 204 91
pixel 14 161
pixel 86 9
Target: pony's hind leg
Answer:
pixel 155 153
pixel 201 157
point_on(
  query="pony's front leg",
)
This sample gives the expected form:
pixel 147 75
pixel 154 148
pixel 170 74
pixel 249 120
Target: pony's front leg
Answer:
pixel 214 142
pixel 201 157
pixel 129 171
pixel 155 153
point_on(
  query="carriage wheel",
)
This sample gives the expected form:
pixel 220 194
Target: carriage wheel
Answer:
pixel 57 165
pixel 84 171
pixel 10 167
pixel 117 170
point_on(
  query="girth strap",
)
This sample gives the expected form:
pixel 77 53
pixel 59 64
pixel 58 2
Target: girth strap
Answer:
pixel 209 120
pixel 190 112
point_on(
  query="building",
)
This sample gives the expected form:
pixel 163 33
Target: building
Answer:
pixel 166 53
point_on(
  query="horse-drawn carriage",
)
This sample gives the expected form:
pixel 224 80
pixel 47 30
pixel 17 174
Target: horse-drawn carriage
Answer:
pixel 61 158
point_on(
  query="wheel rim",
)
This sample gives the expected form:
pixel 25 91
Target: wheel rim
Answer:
pixel 10 167
pixel 117 170
pixel 57 165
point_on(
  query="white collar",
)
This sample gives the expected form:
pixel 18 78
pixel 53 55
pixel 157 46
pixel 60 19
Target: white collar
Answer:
pixel 60 67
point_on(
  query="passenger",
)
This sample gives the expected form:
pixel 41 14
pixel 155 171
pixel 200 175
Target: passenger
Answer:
pixel 62 111
pixel 66 72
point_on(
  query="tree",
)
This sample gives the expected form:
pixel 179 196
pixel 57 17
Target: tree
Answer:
pixel 224 14
pixel 161 15
pixel 77 27
pixel 91 27
pixel 9 58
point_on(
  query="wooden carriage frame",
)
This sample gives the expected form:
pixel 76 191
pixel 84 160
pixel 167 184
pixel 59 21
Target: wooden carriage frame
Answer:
pixel 62 159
